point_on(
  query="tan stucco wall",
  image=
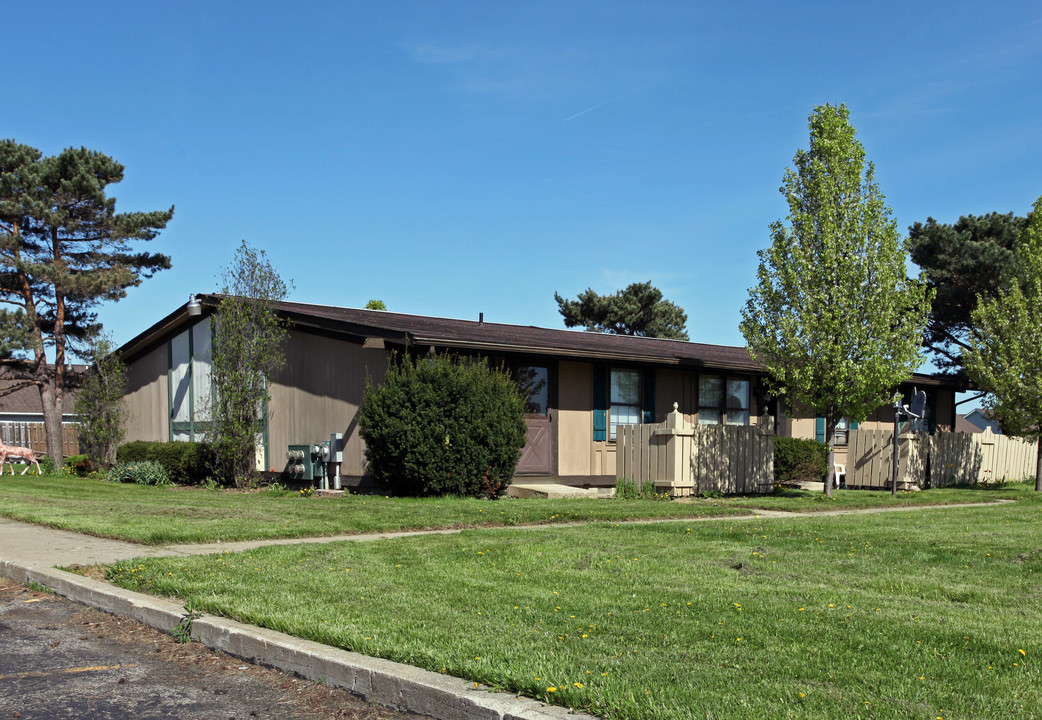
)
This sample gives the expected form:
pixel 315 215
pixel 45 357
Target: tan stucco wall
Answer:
pixel 147 398
pixel 317 393
pixel 574 418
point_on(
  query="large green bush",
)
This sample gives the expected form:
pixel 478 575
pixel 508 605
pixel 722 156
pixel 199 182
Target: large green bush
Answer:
pixel 796 460
pixel 443 425
pixel 186 463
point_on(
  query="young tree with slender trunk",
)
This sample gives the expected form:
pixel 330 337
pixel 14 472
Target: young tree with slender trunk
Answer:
pixel 1005 357
pixel 834 317
pixel 100 404
pixel 247 348
pixel 63 250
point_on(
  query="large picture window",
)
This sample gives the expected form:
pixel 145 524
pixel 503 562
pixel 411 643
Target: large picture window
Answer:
pixel 723 400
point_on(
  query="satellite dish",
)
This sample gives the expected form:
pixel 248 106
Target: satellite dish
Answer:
pixel 918 404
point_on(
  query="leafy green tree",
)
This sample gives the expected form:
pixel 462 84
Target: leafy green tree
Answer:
pixel 833 316
pixel 63 250
pixel 1005 355
pixel 970 258
pixel 375 305
pixel 248 346
pixel 637 310
pixel 100 405
pixel 443 425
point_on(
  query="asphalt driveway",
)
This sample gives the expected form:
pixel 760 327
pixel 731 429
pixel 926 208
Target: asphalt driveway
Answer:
pixel 63 660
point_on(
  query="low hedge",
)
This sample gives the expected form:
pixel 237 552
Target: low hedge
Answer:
pixel 796 460
pixel 186 463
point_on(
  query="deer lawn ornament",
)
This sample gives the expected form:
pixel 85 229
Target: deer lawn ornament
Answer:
pixel 25 454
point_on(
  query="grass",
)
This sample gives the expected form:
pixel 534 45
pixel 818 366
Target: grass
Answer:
pixel 931 614
pixel 165 515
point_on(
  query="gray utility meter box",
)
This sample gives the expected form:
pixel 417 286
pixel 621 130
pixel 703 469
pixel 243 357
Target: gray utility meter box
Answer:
pixel 304 463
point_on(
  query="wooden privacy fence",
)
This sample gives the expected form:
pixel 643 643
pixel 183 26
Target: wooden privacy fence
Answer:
pixel 945 458
pixel 33 436
pixel 685 459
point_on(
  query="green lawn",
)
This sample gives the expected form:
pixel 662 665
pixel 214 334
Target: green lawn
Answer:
pixel 923 614
pixel 166 515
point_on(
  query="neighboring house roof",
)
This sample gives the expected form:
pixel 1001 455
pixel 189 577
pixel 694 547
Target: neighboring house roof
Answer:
pixel 26 400
pixel 424 331
pixel 975 421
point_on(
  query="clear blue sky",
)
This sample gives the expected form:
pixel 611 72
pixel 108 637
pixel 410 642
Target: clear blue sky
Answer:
pixel 453 158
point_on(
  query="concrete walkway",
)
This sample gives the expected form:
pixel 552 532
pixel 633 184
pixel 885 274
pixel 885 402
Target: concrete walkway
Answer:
pixel 30 553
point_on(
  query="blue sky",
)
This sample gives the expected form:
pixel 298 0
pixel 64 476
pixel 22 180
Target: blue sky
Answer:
pixel 461 157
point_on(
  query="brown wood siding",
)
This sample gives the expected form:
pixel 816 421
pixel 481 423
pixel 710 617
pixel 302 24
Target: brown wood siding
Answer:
pixel 317 393
pixel 147 397
pixel 574 421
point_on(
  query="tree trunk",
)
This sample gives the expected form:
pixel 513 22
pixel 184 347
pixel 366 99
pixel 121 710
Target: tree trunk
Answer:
pixel 51 398
pixel 1038 466
pixel 830 471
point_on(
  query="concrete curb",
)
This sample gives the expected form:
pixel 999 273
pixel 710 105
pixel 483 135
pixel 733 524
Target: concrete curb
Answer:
pixel 394 685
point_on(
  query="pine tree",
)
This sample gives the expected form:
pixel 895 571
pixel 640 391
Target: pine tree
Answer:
pixel 1005 358
pixel 63 250
pixel 637 310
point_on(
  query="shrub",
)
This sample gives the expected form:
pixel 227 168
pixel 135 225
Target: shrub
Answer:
pixel 186 463
pixel 626 489
pixel 79 465
pixel 796 460
pixel 443 425
pixel 47 465
pixel 147 472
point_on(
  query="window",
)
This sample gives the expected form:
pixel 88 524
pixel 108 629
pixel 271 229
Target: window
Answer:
pixel 841 437
pixel 534 383
pixel 624 406
pixel 723 400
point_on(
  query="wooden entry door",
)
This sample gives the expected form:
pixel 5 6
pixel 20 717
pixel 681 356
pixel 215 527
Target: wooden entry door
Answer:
pixel 537 455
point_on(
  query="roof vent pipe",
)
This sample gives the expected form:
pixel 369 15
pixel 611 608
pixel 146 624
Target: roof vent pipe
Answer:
pixel 481 318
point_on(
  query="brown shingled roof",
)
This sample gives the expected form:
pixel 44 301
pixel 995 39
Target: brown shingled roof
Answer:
pixel 493 338
pixel 26 400
pixel 496 337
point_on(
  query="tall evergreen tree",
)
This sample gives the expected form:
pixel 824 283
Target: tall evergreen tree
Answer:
pixel 834 317
pixel 970 258
pixel 1005 357
pixel 638 310
pixel 63 250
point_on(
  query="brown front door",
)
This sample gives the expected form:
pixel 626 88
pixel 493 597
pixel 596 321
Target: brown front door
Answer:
pixel 537 454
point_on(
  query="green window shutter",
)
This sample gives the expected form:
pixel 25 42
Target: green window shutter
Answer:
pixel 853 426
pixel 600 403
pixel 649 396
pixel 820 428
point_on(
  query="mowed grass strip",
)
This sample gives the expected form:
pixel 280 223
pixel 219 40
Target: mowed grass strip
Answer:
pixel 164 515
pixel 929 614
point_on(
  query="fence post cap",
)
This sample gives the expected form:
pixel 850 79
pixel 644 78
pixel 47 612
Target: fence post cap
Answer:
pixel 673 419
